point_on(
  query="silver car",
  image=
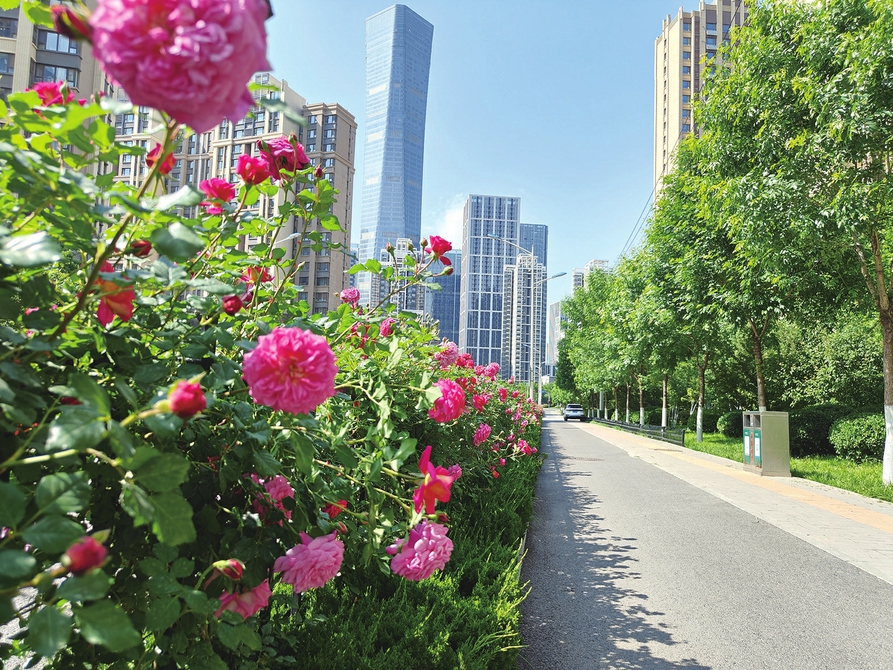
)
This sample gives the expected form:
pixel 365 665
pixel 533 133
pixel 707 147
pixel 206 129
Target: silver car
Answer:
pixel 573 411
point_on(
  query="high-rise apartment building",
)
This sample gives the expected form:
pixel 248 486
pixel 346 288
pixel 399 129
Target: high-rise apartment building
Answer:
pixel 443 305
pixel 555 335
pixel 684 53
pixel 579 275
pixel 329 140
pixel 523 318
pixel 535 236
pixel 398 58
pixel 407 296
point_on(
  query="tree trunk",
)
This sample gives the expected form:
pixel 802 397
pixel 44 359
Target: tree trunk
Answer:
pixel 641 403
pixel 757 341
pixel 702 369
pixel 887 332
pixel 616 403
pixel 627 404
pixel 663 404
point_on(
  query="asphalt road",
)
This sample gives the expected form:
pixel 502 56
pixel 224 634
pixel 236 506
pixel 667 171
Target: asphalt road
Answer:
pixel 630 567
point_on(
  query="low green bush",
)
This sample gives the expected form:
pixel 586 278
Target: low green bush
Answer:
pixel 859 437
pixel 810 426
pixel 731 424
pixel 465 616
pixel 710 419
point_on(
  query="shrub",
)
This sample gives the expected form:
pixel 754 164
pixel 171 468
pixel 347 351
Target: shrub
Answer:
pixel 731 424
pixel 859 437
pixel 809 428
pixel 710 418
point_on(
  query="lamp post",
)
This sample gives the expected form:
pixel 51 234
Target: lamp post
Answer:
pixel 533 285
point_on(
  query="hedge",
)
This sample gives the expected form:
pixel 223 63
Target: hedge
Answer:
pixel 731 424
pixel 810 428
pixel 859 437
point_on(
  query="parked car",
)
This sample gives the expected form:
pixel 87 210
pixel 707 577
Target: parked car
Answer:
pixel 573 411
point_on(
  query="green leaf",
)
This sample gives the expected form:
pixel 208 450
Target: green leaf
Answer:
pixel 89 392
pixel 15 567
pixel 136 503
pixel 12 505
pixel 182 567
pixel 121 440
pixel 406 450
pixel 76 427
pixel 108 625
pixel 92 586
pixel 330 222
pixel 304 453
pixel 63 492
pixel 53 534
pixel 48 631
pixel 232 636
pixel 266 465
pixel 163 473
pixel 150 373
pixel 152 567
pixel 39 14
pixel 177 242
pixel 199 602
pixel 186 196
pixel 212 286
pixel 173 519
pixel 28 251
pixel 162 614
pixel 9 4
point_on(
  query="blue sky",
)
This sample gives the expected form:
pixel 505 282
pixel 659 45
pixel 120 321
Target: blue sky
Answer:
pixel 549 102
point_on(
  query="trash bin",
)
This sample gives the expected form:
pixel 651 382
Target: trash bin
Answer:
pixel 767 447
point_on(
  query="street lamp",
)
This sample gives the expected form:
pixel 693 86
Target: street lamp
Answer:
pixel 533 284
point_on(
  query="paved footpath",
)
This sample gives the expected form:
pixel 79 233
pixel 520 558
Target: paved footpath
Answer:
pixel 642 554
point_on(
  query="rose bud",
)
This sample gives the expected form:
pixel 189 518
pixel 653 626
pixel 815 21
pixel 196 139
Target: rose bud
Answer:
pixel 167 164
pixel 318 173
pixel 232 304
pixel 447 271
pixel 231 568
pixel 141 248
pixel 442 517
pixel 252 169
pixel 389 248
pixel 84 555
pixel 71 24
pixel 186 399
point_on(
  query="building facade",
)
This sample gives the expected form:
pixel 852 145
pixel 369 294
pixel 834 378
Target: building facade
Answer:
pixel 443 306
pixel 398 59
pixel 684 52
pixel 579 275
pixel 523 318
pixel 554 336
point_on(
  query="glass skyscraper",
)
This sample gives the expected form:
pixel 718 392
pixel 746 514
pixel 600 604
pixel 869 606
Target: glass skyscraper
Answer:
pixel 398 58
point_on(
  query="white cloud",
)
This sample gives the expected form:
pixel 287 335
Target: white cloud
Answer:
pixel 446 221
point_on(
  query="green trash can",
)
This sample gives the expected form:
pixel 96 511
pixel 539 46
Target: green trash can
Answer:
pixel 767 446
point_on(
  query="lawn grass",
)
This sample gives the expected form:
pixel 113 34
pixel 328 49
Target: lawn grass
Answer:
pixel 862 478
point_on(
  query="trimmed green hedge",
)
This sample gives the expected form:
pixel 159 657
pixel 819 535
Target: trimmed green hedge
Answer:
pixel 731 424
pixel 859 437
pixel 710 418
pixel 464 616
pixel 810 428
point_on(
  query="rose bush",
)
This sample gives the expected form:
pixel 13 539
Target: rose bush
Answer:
pixel 176 430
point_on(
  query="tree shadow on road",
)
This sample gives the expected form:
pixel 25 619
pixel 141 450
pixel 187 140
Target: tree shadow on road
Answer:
pixel 581 612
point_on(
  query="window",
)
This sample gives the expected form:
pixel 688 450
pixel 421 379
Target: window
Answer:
pixel 686 41
pixel 711 54
pixel 686 127
pixel 322 267
pixel 686 69
pixel 52 73
pixel 686 99
pixel 726 27
pixel 711 40
pixel 330 177
pixel 311 133
pixel 322 281
pixel 686 113
pixel 329 162
pixel 125 172
pixel 330 134
pixel 331 118
pixel 686 25
pixel 312 120
pixel 6 63
pixel 224 129
pixel 686 83
pixel 329 147
pixel 686 55
pixel 711 27
pixel 9 27
pixel 50 41
pixel 320 297
pixel 274 122
pixel 311 147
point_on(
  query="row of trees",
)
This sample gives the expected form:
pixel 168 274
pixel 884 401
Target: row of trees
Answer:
pixel 761 232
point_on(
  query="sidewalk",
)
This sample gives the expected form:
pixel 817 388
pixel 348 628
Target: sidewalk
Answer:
pixel 854 528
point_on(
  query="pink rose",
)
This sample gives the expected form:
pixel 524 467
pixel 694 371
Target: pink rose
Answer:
pixel 246 603
pixel 481 400
pixel 115 300
pixel 491 370
pixel 465 361
pixel 451 402
pixel 52 92
pixel 427 549
pixel 186 399
pixel 503 394
pixel 438 246
pixel 351 296
pixel 191 59
pixel 291 370
pixel 252 169
pixel 455 471
pixel 231 568
pixel 283 153
pixel 386 329
pixel 481 434
pixel 167 164
pixel 312 563
pixel 216 189
pixel 84 555
pixel 232 304
pixel 448 355
pixel 278 489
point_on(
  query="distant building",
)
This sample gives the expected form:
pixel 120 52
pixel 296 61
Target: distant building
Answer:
pixel 407 296
pixel 578 275
pixel 398 59
pixel 443 306
pixel 687 41
pixel 555 334
pixel 523 318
